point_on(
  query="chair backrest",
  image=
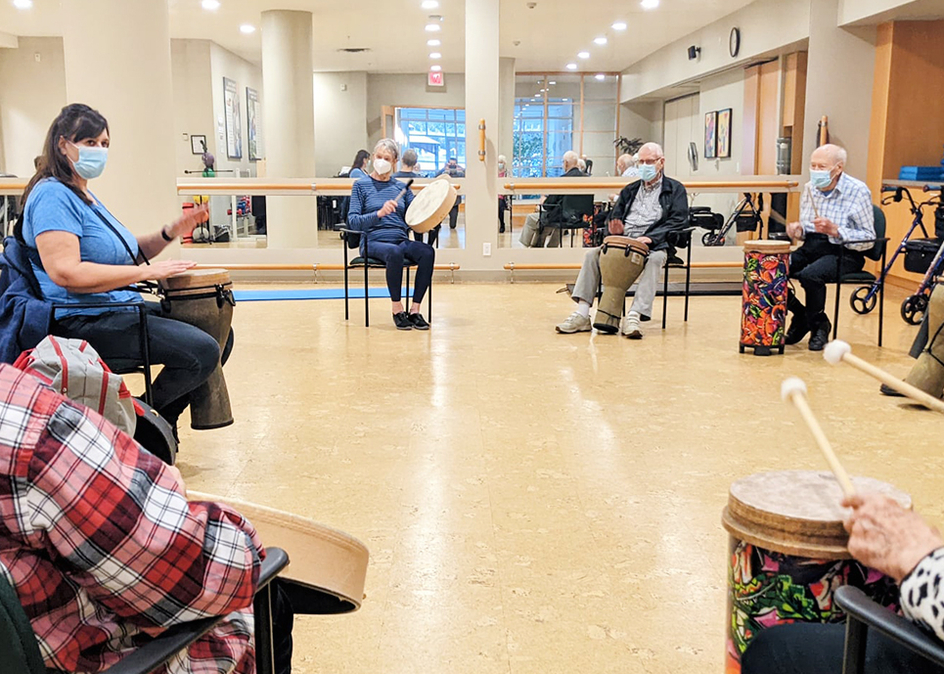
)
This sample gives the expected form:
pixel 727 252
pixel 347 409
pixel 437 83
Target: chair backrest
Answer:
pixel 576 206
pixel 17 641
pixel 875 252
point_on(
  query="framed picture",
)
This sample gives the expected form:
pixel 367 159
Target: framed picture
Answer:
pixel 711 135
pixel 254 124
pixel 198 144
pixel 234 139
pixel 724 133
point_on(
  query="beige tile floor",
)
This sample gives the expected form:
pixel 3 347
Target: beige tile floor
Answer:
pixel 535 502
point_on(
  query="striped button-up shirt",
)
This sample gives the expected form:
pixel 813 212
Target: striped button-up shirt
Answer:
pixel 104 550
pixel 644 212
pixel 849 205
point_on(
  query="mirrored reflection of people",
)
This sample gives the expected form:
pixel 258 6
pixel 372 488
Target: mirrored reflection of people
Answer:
pixel 453 170
pixel 378 210
pixel 537 234
pixel 359 165
pixel 889 539
pixel 835 213
pixel 408 166
pixel 502 201
pixel 648 210
pixel 81 253
pixel 626 166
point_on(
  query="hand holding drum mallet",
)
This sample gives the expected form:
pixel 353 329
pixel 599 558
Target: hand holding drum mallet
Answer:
pixel 838 351
pixel 793 390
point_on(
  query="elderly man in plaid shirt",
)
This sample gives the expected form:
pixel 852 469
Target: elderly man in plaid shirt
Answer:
pixel 835 212
pixel 103 548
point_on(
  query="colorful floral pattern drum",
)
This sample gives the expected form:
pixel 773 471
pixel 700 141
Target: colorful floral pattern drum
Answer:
pixel 787 554
pixel 764 298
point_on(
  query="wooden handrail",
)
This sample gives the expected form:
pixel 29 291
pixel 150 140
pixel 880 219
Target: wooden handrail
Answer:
pixel 482 139
pixel 211 186
pixel 564 266
pixel 745 185
pixel 314 267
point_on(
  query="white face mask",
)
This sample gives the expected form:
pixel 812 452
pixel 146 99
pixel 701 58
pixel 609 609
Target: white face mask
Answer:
pixel 382 166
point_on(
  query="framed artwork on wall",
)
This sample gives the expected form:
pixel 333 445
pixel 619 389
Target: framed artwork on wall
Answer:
pixel 198 144
pixel 254 124
pixel 724 133
pixel 234 139
pixel 711 134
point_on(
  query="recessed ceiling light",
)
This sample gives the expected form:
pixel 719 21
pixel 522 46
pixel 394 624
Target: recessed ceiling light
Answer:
pixel 600 76
pixel 600 40
pixel 433 27
pixel 583 55
pixel 211 5
pixel 247 29
pixel 435 55
pixel 22 4
pixel 435 69
pixel 649 4
pixel 571 66
pixel 429 4
pixel 619 25
pixel 433 43
pixel 552 82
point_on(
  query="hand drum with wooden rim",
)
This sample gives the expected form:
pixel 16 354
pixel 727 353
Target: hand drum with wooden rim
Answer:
pixel 431 206
pixel 787 554
pixel 764 296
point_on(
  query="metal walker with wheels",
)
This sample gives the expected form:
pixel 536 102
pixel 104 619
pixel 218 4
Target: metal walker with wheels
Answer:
pixel 864 298
pixel 745 210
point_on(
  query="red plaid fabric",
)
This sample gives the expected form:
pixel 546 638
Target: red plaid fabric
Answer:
pixel 102 546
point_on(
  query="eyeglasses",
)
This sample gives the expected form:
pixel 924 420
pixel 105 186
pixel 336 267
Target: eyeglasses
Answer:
pixel 650 162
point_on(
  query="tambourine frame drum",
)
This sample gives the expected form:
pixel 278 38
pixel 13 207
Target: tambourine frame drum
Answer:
pixel 431 205
pixel 787 554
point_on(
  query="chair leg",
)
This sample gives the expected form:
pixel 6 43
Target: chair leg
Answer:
pixel 688 278
pixel 409 301
pixel 262 610
pixel 881 301
pixel 347 309
pixel 836 310
pixel 665 291
pixel 853 658
pixel 366 294
pixel 146 357
pixel 429 300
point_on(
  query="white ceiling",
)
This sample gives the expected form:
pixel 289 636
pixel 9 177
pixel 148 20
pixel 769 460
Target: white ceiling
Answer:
pixel 549 36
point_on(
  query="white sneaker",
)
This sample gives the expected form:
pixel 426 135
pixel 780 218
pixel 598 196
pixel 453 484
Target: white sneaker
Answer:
pixel 575 323
pixel 629 326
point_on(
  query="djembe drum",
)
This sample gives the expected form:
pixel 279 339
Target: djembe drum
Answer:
pixel 622 260
pixel 928 372
pixel 327 567
pixel 787 554
pixel 764 298
pixel 204 298
pixel 431 206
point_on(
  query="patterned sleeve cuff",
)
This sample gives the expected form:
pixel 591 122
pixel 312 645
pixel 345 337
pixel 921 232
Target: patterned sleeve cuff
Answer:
pixel 922 597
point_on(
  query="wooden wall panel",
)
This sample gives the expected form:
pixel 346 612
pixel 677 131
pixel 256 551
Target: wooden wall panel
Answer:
pixel 768 120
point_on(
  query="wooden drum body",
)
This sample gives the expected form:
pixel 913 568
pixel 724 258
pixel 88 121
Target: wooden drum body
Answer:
pixel 327 568
pixel 431 206
pixel 204 298
pixel 622 260
pixel 764 298
pixel 787 554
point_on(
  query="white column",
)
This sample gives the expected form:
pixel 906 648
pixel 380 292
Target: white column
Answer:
pixel 506 122
pixel 117 60
pixel 481 102
pixel 288 83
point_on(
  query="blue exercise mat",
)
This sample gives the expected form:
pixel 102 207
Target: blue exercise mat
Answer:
pixel 307 294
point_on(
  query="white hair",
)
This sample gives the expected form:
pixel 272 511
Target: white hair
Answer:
pixel 390 145
pixel 652 147
pixel 501 159
pixel 626 160
pixel 570 157
pixel 836 154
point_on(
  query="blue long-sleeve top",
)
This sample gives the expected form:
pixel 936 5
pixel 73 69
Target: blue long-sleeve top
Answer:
pixel 367 197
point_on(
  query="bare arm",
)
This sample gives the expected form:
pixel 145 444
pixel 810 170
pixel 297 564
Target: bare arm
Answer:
pixel 153 244
pixel 61 258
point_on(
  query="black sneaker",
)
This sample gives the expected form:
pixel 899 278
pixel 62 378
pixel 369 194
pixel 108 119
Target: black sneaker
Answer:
pixel 820 337
pixel 799 328
pixel 418 322
pixel 889 391
pixel 402 321
pixel 674 260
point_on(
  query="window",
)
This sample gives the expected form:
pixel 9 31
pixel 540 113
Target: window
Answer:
pixel 436 134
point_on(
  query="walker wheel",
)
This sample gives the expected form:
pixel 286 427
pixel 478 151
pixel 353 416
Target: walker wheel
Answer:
pixel 861 302
pixel 913 308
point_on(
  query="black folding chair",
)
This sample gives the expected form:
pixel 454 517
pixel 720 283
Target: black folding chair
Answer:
pixel 877 253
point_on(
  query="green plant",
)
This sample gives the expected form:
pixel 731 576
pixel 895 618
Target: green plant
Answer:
pixel 628 145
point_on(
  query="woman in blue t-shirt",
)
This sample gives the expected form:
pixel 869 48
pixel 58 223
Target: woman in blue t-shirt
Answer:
pixel 81 253
pixel 378 210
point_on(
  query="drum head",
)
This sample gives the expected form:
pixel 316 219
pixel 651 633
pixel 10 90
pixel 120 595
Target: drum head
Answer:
pixel 197 278
pixel 430 206
pixel 616 241
pixel 769 246
pixel 796 512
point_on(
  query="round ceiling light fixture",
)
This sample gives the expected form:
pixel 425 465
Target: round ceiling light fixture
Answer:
pixel 436 69
pixel 600 40
pixel 247 29
pixel 433 28
pixel 210 5
pixel 600 76
pixel 429 4
pixel 649 4
pixel 583 55
pixel 571 66
pixel 619 25
pixel 433 43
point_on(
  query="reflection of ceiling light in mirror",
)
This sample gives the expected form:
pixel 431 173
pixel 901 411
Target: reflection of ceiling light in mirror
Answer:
pixel 433 28
pixel 600 41
pixel 619 25
pixel 565 99
pixel 601 76
pixel 247 29
pixel 435 69
pixel 571 66
pixel 649 4
pixel 435 55
pixel 22 4
pixel 584 55
pixel 429 4
pixel 433 43
pixel 210 5
pixel 552 82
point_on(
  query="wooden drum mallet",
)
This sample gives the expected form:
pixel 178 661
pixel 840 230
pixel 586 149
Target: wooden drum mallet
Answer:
pixel 793 390
pixel 839 351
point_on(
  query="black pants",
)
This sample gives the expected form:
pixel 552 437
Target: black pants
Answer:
pixel 188 354
pixel 803 648
pixel 454 213
pixel 393 256
pixel 283 620
pixel 501 213
pixel 814 265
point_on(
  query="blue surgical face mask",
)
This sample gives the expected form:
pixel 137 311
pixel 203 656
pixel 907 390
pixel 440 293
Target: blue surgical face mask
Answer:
pixel 647 172
pixel 820 179
pixel 91 161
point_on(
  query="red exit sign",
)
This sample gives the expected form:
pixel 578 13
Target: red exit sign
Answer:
pixel 435 79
